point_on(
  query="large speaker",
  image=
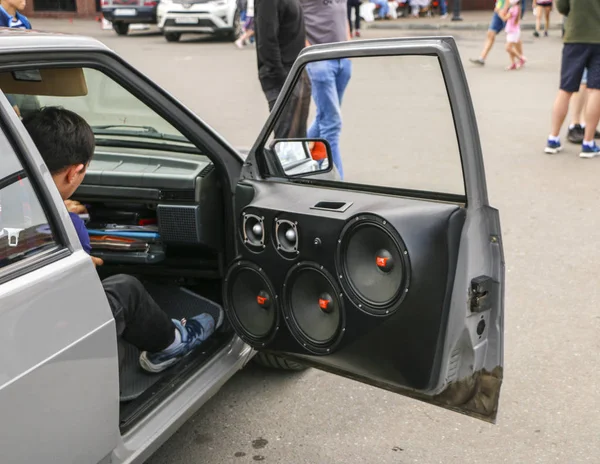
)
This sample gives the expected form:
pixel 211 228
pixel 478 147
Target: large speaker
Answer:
pixel 373 264
pixel 313 307
pixel 251 303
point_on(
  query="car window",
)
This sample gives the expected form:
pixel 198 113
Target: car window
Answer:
pixel 388 121
pixel 24 228
pixel 117 117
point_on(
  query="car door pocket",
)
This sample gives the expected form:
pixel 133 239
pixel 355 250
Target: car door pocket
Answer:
pixel 154 254
pixel 334 206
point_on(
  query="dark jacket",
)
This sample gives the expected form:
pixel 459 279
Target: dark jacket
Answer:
pixel 583 20
pixel 280 37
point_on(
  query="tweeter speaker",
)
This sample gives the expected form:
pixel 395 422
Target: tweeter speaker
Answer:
pixel 286 238
pixel 373 264
pixel 253 231
pixel 251 302
pixel 313 307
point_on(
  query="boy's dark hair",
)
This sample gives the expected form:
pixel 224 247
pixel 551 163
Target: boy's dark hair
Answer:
pixel 62 137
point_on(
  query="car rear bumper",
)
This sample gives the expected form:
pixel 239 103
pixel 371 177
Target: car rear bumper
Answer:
pixel 145 14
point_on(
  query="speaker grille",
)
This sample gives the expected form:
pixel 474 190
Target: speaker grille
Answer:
pixel 313 307
pixel 374 265
pixel 251 302
pixel 178 224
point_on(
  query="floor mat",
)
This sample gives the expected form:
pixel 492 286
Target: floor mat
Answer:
pixel 178 303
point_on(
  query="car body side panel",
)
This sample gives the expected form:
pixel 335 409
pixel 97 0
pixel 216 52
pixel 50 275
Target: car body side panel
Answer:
pixel 59 384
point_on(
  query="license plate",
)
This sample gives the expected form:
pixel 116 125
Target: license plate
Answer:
pixel 186 20
pixel 125 12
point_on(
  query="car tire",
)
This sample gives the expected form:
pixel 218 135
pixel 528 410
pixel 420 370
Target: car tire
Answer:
pixel 121 28
pixel 172 36
pixel 236 30
pixel 275 362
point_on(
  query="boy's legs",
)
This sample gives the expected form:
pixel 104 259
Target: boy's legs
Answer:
pixel 140 321
pixel 574 58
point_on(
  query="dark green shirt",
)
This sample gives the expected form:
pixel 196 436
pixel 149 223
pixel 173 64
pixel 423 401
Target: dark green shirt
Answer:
pixel 583 20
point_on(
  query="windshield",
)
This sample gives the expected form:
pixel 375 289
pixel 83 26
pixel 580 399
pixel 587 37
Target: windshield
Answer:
pixel 118 118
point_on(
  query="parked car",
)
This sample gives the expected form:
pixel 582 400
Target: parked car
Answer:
pixel 397 288
pixel 123 13
pixel 218 17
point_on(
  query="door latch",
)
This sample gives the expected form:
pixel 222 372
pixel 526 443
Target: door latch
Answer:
pixel 482 294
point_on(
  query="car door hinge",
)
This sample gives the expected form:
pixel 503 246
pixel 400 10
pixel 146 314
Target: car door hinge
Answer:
pixel 482 294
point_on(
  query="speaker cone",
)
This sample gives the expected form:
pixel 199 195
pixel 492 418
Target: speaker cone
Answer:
pixel 253 231
pixel 286 238
pixel 251 302
pixel 313 307
pixel 373 263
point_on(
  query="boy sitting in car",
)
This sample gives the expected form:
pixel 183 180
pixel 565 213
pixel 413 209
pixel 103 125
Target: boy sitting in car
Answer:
pixel 67 143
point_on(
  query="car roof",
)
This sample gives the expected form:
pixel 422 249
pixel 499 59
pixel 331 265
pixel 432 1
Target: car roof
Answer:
pixel 12 40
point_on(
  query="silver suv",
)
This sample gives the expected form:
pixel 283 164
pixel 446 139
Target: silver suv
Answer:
pixel 398 288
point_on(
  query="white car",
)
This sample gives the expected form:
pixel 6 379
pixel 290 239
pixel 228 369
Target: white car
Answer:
pixel 176 17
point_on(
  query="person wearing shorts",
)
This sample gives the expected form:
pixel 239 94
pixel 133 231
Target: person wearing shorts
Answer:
pixel 544 7
pixel 496 26
pixel 248 26
pixel 581 51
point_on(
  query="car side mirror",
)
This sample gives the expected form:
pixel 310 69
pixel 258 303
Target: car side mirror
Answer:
pixel 302 157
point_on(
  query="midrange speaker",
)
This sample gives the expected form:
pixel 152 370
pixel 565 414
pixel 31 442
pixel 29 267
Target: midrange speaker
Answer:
pixel 373 264
pixel 286 238
pixel 253 231
pixel 251 303
pixel 313 307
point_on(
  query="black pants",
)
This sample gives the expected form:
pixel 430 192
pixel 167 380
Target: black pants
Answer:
pixel 140 321
pixel 293 123
pixel 356 5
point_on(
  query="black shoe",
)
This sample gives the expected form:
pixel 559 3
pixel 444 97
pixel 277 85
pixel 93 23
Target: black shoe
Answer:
pixel 575 134
pixel 536 34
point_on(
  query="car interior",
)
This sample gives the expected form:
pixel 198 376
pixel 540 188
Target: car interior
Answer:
pixel 155 208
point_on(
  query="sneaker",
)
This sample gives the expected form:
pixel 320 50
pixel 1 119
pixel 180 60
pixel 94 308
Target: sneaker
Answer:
pixel 193 332
pixel 589 152
pixel 444 16
pixel 522 61
pixel 545 33
pixel 536 34
pixel 552 147
pixel 478 61
pixel 357 34
pixel 239 44
pixel 575 134
pixel 512 67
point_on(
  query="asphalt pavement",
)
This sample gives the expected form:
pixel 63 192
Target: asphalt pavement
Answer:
pixel 550 401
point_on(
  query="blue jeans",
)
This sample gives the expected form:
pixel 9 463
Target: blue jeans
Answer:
pixel 384 9
pixel 329 79
pixel 443 7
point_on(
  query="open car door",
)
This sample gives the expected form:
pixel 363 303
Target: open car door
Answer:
pixel 393 276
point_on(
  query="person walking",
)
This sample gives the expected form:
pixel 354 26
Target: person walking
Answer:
pixel 544 7
pixel 581 50
pixel 248 26
pixel 496 26
pixel 513 35
pixel 328 23
pixel 354 5
pixel 280 37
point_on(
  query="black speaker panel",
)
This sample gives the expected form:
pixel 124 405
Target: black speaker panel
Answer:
pixel 410 317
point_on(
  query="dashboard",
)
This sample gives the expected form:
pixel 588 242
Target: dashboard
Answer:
pixel 180 192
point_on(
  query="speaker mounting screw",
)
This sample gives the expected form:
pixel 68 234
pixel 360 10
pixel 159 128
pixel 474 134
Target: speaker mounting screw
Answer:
pixel 387 312
pixel 339 240
pixel 328 350
pixel 341 295
pixel 321 267
pixel 405 252
pixel 262 218
pixel 276 219
pixel 360 306
pixel 341 276
pixel 406 290
pixel 264 246
pixel 384 223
